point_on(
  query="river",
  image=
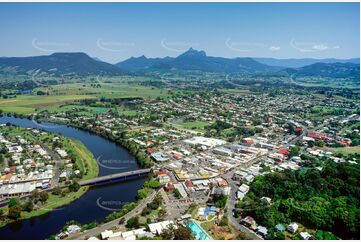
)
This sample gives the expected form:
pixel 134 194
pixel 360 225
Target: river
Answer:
pixel 86 209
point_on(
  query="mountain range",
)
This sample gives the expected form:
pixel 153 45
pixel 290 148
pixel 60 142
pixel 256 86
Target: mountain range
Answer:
pixel 58 64
pixel 297 63
pixel 194 60
pixel 191 60
pixel 328 70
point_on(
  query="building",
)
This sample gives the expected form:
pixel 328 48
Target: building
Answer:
pixel 249 222
pixel 157 228
pixel 181 190
pixel 305 236
pixel 262 230
pixel 160 157
pixel 280 227
pixel 292 227
pixel 203 141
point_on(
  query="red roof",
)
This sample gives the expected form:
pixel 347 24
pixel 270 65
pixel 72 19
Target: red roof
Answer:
pixel 283 152
pixel 162 172
pixel 188 183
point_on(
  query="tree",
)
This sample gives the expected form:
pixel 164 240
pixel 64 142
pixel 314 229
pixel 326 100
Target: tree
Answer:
pixel 167 234
pixel 295 151
pixel 142 193
pixel 28 206
pixel 224 221
pixel 154 184
pixel 14 212
pixel 57 191
pixel 133 222
pixel 43 196
pixel 177 193
pixel 13 202
pixel 74 186
pixel 183 233
pixel 162 212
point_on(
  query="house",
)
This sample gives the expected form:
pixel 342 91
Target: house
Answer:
pixel 280 227
pixel 169 187
pixel 105 234
pixel 243 188
pixel 283 152
pixel 262 230
pixel 247 141
pixel 292 227
pixel 72 229
pixel 163 179
pixel 249 222
pixel 305 236
pixel 266 200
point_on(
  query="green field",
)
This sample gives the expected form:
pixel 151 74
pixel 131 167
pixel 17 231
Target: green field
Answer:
pixel 345 150
pixel 25 104
pixel 193 124
pixel 107 90
pixel 85 160
pixel 64 93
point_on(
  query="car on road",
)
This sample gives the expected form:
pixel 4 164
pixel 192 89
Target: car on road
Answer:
pixel 121 221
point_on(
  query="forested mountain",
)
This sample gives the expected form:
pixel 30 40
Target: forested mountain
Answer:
pixel 58 64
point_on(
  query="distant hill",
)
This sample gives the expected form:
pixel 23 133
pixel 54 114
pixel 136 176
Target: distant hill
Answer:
pixel 194 60
pixel 297 63
pixel 58 64
pixel 330 70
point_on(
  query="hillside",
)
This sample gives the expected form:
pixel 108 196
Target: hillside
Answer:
pixel 194 60
pixel 327 70
pixel 58 64
pixel 297 63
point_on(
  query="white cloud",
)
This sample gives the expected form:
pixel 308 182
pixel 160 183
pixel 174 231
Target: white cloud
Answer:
pixel 274 48
pixel 336 47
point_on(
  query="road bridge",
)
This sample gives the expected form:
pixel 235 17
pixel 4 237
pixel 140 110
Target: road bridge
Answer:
pixel 122 176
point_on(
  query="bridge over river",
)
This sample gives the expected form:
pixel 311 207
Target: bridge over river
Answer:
pixel 122 176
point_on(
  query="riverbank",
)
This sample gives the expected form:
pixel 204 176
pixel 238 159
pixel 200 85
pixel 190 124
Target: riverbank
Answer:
pixel 85 162
pixel 100 200
pixel 53 202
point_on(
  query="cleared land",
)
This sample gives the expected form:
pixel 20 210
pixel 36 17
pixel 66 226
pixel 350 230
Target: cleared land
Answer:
pixel 193 124
pixel 65 93
pixel 25 104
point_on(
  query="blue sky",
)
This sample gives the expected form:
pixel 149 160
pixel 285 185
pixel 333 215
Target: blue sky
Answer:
pixel 116 31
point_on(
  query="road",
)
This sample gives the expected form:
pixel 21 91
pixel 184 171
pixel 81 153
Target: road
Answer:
pixel 231 202
pixel 95 231
pixel 100 179
pixel 58 163
pixel 231 205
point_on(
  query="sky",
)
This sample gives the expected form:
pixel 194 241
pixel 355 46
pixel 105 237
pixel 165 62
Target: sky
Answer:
pixel 116 31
